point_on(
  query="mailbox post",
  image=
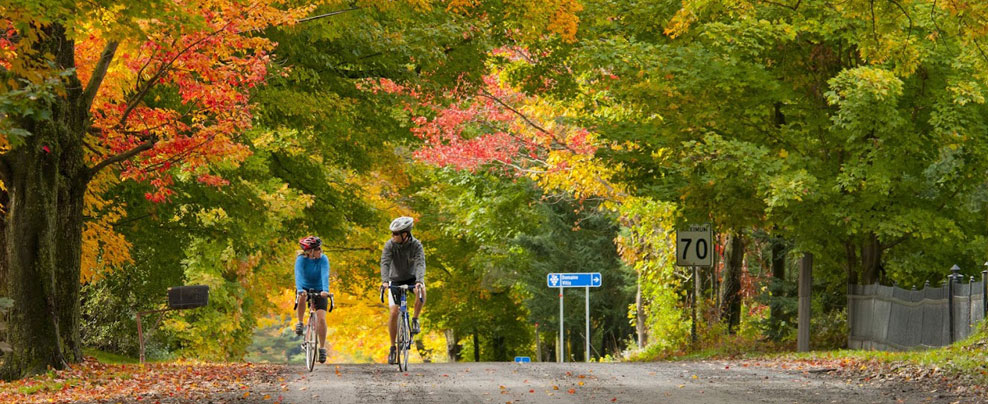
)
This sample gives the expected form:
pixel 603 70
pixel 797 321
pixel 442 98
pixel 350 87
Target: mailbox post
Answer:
pixel 179 298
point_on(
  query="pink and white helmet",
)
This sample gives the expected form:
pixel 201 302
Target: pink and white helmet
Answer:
pixel 310 242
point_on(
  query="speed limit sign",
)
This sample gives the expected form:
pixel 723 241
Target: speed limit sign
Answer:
pixel 694 246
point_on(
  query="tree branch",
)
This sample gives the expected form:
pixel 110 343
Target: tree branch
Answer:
pixel 99 72
pixel 143 90
pixel 485 93
pixel 905 13
pixel 874 30
pixel 531 123
pixel 123 156
pixel 793 7
pixel 330 14
pixel 348 248
pixel 5 167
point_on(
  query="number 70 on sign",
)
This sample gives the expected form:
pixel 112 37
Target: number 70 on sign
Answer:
pixel 694 246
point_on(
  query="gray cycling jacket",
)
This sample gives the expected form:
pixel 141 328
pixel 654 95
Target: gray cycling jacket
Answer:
pixel 401 262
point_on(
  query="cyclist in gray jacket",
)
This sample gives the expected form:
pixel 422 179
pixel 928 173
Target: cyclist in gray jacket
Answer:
pixel 403 263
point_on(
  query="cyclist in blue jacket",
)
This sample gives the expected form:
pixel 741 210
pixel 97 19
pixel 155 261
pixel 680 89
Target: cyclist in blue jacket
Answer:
pixel 403 263
pixel 312 272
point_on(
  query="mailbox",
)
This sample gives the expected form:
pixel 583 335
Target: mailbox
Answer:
pixel 188 297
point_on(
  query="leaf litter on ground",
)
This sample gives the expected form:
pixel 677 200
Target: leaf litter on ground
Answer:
pixel 172 382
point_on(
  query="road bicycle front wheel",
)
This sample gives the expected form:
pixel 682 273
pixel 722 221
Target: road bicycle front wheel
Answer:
pixel 311 344
pixel 406 341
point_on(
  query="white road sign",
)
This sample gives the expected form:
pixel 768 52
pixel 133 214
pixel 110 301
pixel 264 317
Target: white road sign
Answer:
pixel 695 246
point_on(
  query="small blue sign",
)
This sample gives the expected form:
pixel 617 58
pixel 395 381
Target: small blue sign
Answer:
pixel 573 280
pixel 522 359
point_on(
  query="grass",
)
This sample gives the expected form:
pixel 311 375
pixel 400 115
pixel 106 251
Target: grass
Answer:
pixel 968 357
pixel 109 357
pixel 47 385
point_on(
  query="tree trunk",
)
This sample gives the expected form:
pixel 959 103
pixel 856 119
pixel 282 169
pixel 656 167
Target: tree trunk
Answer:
pixel 865 268
pixel 640 315
pixel 851 262
pixel 4 265
pixel 871 259
pixel 476 347
pixel 46 180
pixel 499 348
pixel 779 273
pixel 31 177
pixel 453 347
pixel 730 292
pixel 71 198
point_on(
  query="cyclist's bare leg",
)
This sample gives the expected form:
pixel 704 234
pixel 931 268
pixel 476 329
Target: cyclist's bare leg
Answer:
pixel 393 323
pixel 419 304
pixel 321 327
pixel 300 302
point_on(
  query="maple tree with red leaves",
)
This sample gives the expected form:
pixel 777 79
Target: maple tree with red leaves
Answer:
pixel 483 126
pixel 157 91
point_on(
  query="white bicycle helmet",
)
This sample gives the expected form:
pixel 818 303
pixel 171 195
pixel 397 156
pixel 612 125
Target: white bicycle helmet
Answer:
pixel 401 224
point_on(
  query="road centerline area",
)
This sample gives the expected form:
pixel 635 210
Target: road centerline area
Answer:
pixel 667 382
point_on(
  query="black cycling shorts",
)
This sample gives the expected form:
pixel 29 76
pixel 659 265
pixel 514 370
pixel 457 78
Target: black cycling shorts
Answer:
pixel 322 303
pixel 394 293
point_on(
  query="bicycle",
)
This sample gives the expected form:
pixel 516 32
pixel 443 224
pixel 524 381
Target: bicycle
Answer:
pixel 404 338
pixel 310 341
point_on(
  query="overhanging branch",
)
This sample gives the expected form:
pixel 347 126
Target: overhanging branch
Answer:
pixel 330 14
pixel 99 73
pixel 527 120
pixel 127 155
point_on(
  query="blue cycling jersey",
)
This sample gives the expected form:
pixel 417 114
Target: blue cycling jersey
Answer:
pixel 312 273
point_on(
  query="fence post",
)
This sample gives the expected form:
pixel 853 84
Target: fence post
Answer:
pixel 970 305
pixel 954 273
pixel 805 285
pixel 984 293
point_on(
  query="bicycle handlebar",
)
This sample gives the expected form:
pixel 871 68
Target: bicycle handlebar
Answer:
pixel 401 287
pixel 313 292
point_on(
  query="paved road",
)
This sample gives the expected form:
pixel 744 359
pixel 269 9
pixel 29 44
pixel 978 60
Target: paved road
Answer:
pixel 656 382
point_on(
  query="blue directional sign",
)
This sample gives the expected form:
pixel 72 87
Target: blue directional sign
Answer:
pixel 573 280
pixel 523 359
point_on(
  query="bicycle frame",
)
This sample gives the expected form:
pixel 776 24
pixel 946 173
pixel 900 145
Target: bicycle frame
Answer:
pixel 310 341
pixel 403 339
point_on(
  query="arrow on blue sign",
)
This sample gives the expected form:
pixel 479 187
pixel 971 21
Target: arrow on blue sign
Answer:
pixel 573 280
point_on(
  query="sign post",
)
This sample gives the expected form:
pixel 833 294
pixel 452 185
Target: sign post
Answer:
pixel 562 339
pixel 573 280
pixel 693 249
pixel 586 355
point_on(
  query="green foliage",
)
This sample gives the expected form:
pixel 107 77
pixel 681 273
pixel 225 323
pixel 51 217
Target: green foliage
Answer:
pixel 275 343
pixel 578 241
pixel 830 330
pixel 109 357
pixel 644 243
pixel 781 299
